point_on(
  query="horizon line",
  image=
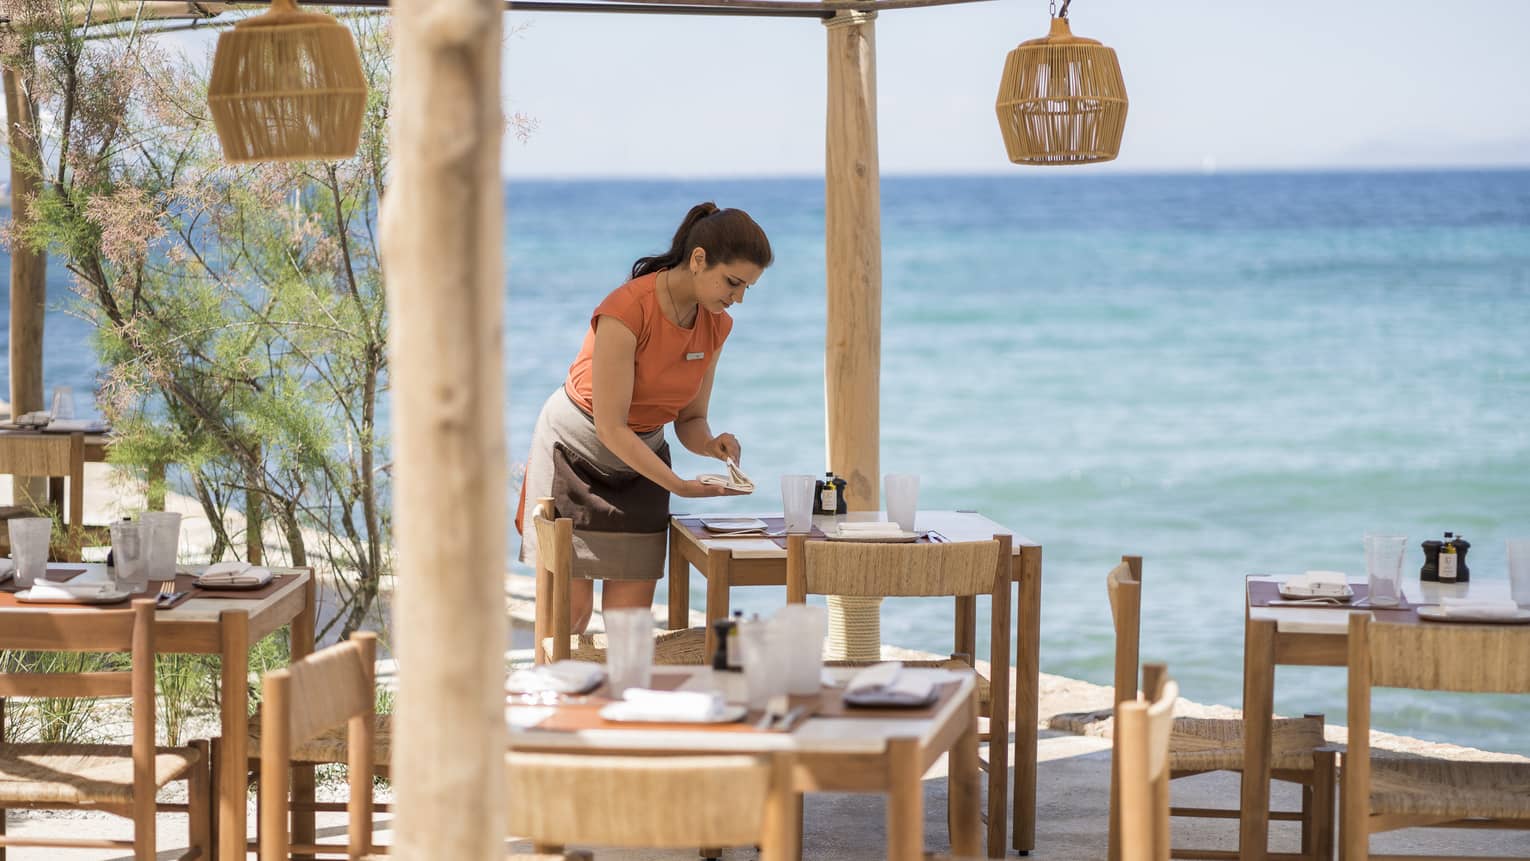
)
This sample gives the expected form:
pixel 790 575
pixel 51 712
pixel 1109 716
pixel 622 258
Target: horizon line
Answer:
pixel 1021 172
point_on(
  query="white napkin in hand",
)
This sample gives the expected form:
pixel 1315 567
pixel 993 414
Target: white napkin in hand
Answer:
pixel 233 574
pixel 734 480
pixel 43 590
pixel 1485 609
pixel 886 684
pixel 675 706
pixel 563 677
pixel 1317 584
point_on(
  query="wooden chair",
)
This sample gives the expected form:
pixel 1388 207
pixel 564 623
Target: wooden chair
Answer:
pixel 961 570
pixel 120 779
pixel 1201 745
pixel 305 704
pixel 668 802
pixel 1143 729
pixel 555 571
pixel 1383 794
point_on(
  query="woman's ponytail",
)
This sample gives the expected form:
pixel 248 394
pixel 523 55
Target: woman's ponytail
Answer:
pixel 725 234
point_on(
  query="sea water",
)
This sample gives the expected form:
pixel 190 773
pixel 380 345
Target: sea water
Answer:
pixel 1224 374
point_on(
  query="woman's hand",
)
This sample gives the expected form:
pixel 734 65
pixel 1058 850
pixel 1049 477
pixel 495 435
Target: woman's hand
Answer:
pixel 724 446
pixel 695 490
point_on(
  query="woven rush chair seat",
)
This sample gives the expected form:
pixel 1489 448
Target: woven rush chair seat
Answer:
pixel 330 747
pixel 1211 744
pixel 670 648
pixel 1425 786
pixel 82 773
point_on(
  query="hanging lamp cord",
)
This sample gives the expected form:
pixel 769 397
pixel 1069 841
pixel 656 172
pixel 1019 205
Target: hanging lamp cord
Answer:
pixel 1052 7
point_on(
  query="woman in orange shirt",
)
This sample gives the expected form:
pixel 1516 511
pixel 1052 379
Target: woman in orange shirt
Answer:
pixel 648 360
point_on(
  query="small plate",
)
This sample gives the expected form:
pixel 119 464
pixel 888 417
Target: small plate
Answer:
pixel 1436 613
pixel 732 524
pixel 622 712
pixel 112 597
pixel 884 538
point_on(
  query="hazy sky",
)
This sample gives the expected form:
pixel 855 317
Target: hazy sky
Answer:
pixel 1234 84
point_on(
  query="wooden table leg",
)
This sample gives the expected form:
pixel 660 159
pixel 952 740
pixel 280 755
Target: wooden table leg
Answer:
pixel 717 574
pixel 1258 714
pixel 964 789
pixel 679 582
pixel 234 627
pixel 905 801
pixel 303 775
pixel 1027 696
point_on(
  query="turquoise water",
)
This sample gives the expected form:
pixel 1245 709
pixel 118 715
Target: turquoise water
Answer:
pixel 1225 374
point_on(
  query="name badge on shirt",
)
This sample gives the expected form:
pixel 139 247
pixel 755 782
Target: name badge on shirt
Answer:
pixel 691 357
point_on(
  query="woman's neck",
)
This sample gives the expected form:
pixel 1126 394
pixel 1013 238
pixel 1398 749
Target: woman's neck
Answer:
pixel 680 288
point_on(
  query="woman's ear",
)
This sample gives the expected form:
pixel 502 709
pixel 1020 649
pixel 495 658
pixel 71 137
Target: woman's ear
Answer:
pixel 698 260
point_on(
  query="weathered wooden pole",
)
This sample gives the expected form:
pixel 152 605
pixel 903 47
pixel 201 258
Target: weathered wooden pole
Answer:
pixel 853 342
pixel 29 289
pixel 443 260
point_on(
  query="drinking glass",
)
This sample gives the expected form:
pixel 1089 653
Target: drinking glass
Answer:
pixel 29 548
pixel 797 502
pixel 1383 568
pixel 902 499
pixel 764 647
pixel 63 404
pixel 130 557
pixel 804 626
pixel 629 654
pixel 162 530
pixel 1519 570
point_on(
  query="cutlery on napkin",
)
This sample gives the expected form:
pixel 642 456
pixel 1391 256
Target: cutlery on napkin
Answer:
pixel 886 684
pixel 562 677
pixel 1484 609
pixel 233 574
pixel 672 706
pixel 1317 584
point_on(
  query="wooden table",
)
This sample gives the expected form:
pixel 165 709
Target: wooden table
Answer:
pixel 1308 637
pixel 729 562
pixel 830 754
pixel 226 627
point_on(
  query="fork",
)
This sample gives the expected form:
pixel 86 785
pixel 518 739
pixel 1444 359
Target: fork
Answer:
pixel 166 592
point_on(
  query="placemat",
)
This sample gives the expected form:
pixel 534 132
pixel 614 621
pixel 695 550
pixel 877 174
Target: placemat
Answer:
pixel 692 524
pixel 62 575
pixel 188 581
pixel 831 704
pixel 1265 593
pixel 8 599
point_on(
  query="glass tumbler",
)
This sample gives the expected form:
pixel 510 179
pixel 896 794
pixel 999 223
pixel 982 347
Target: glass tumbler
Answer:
pixel 130 557
pixel 629 654
pixel 1519 570
pixel 162 533
pixel 29 548
pixel 797 502
pixel 1383 568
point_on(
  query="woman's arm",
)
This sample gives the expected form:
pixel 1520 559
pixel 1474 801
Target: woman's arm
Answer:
pixel 692 428
pixel 612 368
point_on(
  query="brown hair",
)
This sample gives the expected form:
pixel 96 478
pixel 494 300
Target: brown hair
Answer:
pixel 725 235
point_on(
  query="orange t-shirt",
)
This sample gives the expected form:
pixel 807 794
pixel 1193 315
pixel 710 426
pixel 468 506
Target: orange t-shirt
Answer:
pixel 669 364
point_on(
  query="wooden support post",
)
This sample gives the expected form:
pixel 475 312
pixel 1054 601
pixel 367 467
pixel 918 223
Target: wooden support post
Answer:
pixel 29 269
pixel 443 260
pixel 853 340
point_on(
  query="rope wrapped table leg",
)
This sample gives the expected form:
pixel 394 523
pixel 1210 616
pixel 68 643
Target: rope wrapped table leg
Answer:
pixel 855 629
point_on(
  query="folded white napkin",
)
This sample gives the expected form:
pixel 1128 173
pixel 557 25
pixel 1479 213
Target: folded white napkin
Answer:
pixel 1486 609
pixel 234 574
pixel 878 529
pixel 49 591
pixel 86 425
pixel 563 677
pixel 734 480
pixel 1317 584
pixel 886 684
pixel 676 706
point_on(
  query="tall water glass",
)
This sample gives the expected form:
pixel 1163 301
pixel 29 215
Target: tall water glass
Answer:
pixel 797 502
pixel 804 626
pixel 1519 570
pixel 63 404
pixel 1383 568
pixel 29 548
pixel 902 499
pixel 764 646
pixel 629 653
pixel 130 556
pixel 163 530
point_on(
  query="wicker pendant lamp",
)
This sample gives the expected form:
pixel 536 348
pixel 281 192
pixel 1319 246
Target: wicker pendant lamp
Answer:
pixel 1062 100
pixel 287 86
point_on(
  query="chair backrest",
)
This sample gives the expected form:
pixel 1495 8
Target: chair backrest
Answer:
pixel 555 568
pixel 1124 586
pixel 855 568
pixel 131 631
pixel 302 701
pixel 1143 727
pixel 653 802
